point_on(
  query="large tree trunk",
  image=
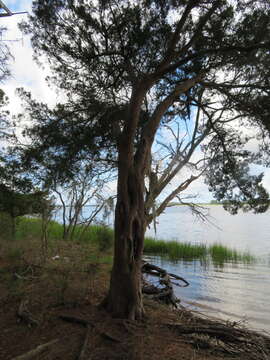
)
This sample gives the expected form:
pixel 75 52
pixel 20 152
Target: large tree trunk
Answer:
pixel 125 295
pixel 124 299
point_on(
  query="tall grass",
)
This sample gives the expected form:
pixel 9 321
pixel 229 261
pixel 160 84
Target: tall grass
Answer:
pixel 220 252
pixel 175 250
pixel 98 235
pixel 102 238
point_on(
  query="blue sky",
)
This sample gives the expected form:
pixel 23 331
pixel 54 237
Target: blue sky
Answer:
pixel 26 73
pixel 15 5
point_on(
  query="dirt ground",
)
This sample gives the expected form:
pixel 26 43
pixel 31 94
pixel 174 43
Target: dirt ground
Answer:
pixel 37 299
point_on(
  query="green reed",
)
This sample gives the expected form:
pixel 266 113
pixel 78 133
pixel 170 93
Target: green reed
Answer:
pixel 175 250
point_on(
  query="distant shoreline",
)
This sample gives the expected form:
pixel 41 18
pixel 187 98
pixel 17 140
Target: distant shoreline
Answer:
pixel 198 204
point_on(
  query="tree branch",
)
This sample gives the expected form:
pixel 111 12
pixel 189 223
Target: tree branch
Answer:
pixel 211 51
pixel 183 186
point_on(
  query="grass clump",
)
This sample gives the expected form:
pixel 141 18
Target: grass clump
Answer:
pixel 175 250
pixel 101 236
pixel 105 238
pixel 220 253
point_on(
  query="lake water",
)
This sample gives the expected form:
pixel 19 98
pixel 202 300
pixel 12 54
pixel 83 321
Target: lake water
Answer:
pixel 236 292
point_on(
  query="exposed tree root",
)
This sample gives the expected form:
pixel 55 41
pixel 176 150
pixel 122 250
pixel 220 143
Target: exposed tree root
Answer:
pixel 83 352
pixel 205 334
pixel 225 338
pixel 164 293
pixel 222 332
pixel 75 320
pixel 133 311
pixel 32 354
pixel 89 325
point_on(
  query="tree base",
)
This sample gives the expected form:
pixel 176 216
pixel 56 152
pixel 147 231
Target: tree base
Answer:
pixel 129 311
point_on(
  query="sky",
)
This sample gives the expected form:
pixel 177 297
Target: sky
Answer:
pixel 27 74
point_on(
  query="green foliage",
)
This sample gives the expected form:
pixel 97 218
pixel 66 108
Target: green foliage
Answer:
pixel 101 236
pixel 28 227
pixel 104 238
pixel 19 204
pixel 5 225
pixel 101 52
pixel 5 125
pixel 228 176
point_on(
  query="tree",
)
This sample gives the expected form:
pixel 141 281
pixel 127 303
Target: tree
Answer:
pixel 131 68
pixel 5 126
pixel 18 204
pixel 86 189
pixel 5 57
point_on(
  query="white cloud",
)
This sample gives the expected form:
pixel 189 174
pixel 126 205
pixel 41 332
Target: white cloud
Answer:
pixel 24 71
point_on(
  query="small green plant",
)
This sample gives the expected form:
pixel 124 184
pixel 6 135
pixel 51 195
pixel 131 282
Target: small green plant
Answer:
pixel 104 239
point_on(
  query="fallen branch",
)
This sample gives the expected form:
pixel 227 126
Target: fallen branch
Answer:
pixel 35 352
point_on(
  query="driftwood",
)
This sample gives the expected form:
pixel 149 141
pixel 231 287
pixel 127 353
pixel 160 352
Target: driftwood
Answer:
pixel 32 354
pixel 24 315
pixel 165 293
